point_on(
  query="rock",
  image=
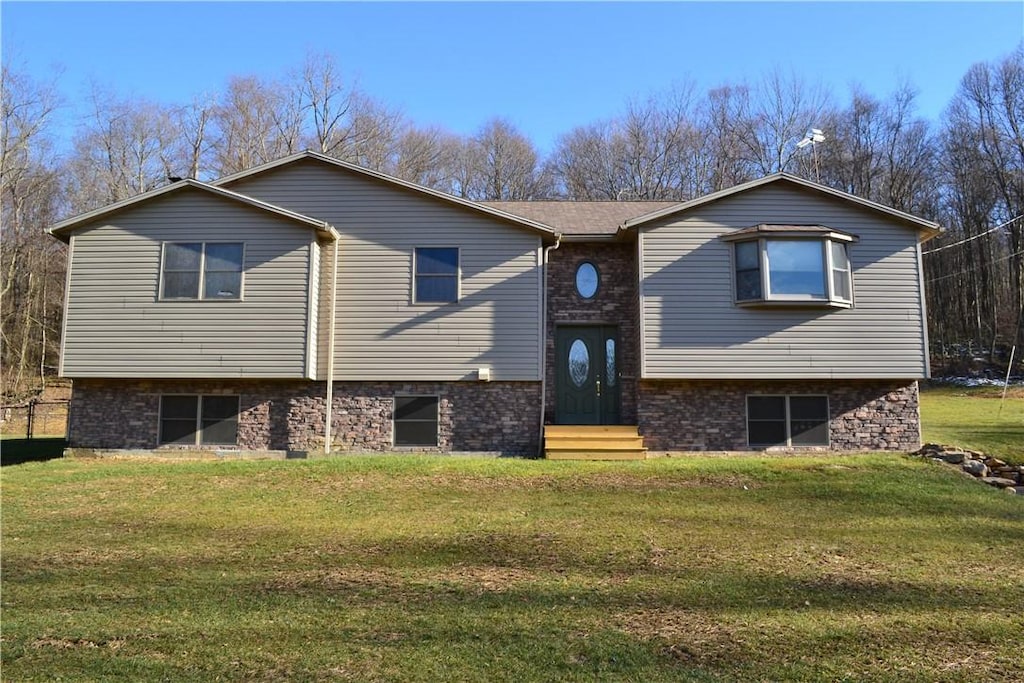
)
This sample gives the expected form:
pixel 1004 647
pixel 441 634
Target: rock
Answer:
pixel 995 462
pixel 954 457
pixel 1019 490
pixel 1008 472
pixel 975 467
pixel 999 481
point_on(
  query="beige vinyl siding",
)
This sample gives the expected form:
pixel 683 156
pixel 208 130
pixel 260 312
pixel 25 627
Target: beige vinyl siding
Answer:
pixel 380 333
pixel 117 327
pixel 692 328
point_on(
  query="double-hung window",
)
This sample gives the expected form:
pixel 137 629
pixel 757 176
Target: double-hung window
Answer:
pixel 199 420
pixel 202 270
pixel 436 275
pixel 787 421
pixel 785 264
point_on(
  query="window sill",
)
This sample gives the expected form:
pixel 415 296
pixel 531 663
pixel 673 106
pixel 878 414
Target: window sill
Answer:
pixel 795 303
pixel 183 300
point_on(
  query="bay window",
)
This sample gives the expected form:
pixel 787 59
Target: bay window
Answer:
pixel 794 265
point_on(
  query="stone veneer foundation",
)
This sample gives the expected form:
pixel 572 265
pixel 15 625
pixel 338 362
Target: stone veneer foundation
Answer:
pixel 711 415
pixel 494 417
pixel 498 417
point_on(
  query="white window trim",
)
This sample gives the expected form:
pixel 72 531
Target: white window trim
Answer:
pixel 202 271
pixel 199 420
pixel 458 276
pixel 394 420
pixel 789 435
pixel 767 298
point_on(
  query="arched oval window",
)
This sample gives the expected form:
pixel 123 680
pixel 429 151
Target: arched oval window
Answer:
pixel 579 362
pixel 586 280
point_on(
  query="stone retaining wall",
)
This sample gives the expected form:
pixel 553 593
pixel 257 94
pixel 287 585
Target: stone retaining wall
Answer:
pixel 988 469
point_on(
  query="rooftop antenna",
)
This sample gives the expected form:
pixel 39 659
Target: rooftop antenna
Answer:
pixel 813 137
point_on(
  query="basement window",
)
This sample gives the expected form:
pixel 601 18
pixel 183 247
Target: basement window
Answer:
pixel 787 421
pixel 416 420
pixel 199 420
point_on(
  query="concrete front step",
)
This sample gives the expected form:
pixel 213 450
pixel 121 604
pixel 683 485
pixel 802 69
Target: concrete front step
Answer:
pixel 593 442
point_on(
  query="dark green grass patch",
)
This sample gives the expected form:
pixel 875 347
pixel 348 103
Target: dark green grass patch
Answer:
pixel 17 451
pixel 424 569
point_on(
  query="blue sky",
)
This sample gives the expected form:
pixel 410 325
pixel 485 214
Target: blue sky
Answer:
pixel 545 66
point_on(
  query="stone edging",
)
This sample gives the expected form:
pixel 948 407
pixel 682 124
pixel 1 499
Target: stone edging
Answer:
pixel 992 471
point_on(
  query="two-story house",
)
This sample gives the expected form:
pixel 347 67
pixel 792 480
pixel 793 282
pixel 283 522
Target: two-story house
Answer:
pixel 311 302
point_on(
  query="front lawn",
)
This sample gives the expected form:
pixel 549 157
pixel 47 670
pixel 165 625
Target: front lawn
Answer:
pixel 876 567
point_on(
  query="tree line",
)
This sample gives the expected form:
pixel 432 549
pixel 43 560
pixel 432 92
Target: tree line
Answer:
pixel 965 171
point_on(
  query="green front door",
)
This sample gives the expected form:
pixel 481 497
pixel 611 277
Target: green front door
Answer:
pixel 586 375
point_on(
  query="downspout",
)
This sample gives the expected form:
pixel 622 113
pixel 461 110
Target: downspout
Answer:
pixel 544 340
pixel 330 346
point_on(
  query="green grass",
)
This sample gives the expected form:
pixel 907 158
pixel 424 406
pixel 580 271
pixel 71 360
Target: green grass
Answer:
pixel 972 418
pixel 427 568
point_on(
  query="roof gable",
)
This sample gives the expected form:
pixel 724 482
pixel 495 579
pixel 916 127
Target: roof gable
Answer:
pixel 63 229
pixel 926 229
pixel 548 232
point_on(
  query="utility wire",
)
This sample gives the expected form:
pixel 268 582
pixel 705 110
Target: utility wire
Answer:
pixel 973 237
pixel 967 270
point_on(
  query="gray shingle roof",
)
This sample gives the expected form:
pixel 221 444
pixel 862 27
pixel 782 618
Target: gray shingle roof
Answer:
pixel 580 218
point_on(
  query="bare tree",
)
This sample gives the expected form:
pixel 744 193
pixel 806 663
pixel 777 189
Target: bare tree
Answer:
pixel 194 122
pixel 327 98
pixel 122 150
pixel 880 151
pixel 372 135
pixel 425 156
pixel 978 294
pixel 647 148
pixel 768 121
pixel 722 138
pixel 584 164
pixel 31 264
pixel 500 163
pixel 669 146
pixel 257 121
